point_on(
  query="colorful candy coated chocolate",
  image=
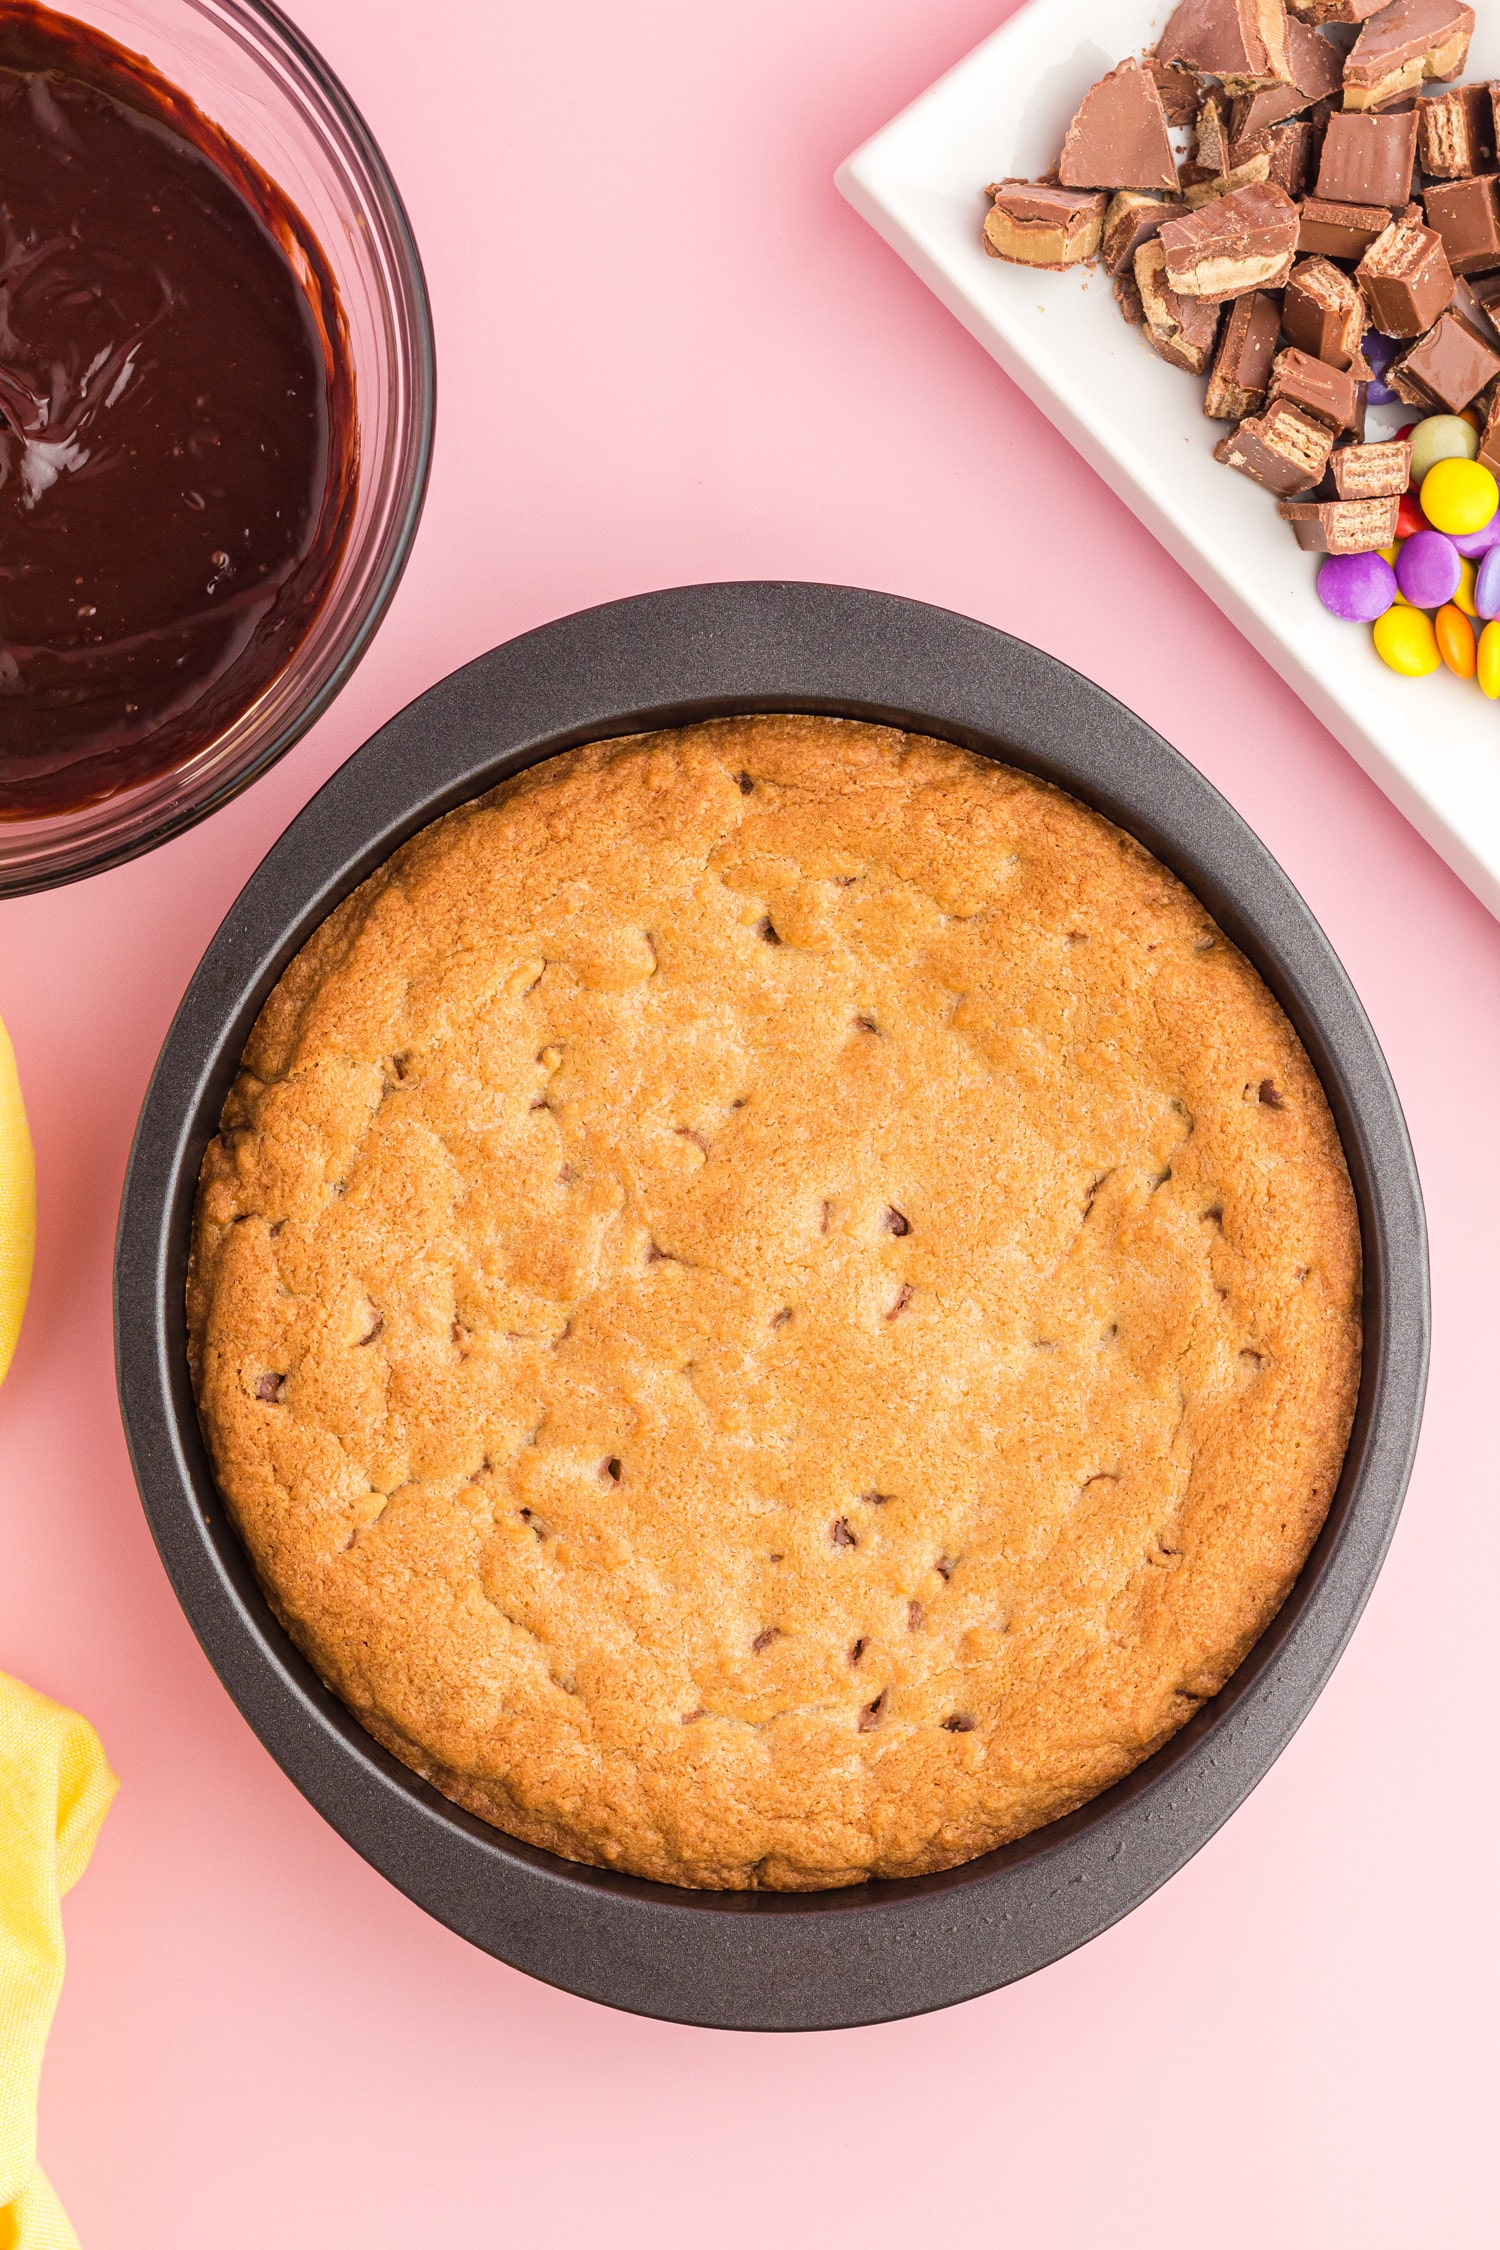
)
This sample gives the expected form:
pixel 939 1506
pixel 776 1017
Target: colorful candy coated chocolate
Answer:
pixel 1406 640
pixel 1474 544
pixel 1456 643
pixel 1459 496
pixel 1410 519
pixel 1489 661
pixel 1358 588
pixel 1442 437
pixel 1487 586
pixel 1429 570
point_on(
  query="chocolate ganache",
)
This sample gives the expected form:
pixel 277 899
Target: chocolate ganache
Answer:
pixel 178 444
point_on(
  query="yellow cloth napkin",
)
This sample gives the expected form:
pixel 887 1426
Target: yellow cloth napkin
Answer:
pixel 55 1790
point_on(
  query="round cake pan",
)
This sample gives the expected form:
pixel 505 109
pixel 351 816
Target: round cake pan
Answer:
pixel 750 1960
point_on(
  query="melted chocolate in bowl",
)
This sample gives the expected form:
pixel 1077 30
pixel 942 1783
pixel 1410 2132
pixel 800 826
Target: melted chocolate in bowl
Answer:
pixel 178 444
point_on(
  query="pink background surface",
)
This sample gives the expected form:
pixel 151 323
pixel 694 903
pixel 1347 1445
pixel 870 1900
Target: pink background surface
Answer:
pixel 670 353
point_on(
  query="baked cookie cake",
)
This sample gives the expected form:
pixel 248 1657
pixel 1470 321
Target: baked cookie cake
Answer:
pixel 775 1304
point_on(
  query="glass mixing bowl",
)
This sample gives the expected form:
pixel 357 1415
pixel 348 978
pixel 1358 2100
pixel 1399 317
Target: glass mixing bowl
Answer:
pixel 251 72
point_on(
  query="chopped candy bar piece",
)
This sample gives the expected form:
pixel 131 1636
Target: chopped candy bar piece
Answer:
pixel 1466 213
pixel 1132 219
pixel 1342 527
pixel 1179 89
pixel 1456 132
pixel 1242 365
pixel 1232 245
pixel 1242 43
pixel 1368 159
pixel 1182 330
pixel 1489 441
pixel 1252 174
pixel 1372 472
pixel 1326 393
pixel 1340 230
pixel 1324 313
pixel 1406 279
pixel 1118 137
pixel 1317 75
pixel 1034 224
pixel 1447 369
pixel 1403 46
pixel 1283 449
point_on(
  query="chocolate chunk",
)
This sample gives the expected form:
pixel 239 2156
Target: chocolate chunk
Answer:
pixel 1324 313
pixel 1254 173
pixel 1466 213
pixel 1242 43
pixel 1118 137
pixel 1283 449
pixel 1335 11
pixel 1369 159
pixel 1342 527
pixel 1182 330
pixel 1404 45
pixel 1128 298
pixel 1292 157
pixel 1132 219
pixel 1340 230
pixel 1179 89
pixel 1406 279
pixel 1328 394
pixel 1317 69
pixel 1032 223
pixel 1237 243
pixel 1456 132
pixel 1483 317
pixel 1211 141
pixel 1372 472
pixel 1242 365
pixel 1447 369
pixel 1489 442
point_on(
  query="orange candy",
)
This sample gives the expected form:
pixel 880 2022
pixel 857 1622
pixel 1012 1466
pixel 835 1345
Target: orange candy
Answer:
pixel 1456 643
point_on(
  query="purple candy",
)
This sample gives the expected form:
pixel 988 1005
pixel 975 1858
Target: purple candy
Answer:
pixel 1380 351
pixel 1428 570
pixel 1472 544
pixel 1487 585
pixel 1358 588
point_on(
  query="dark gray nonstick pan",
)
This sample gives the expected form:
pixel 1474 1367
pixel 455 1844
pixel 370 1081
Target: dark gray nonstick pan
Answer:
pixel 754 1961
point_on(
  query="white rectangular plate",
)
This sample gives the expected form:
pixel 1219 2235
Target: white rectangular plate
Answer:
pixel 1432 745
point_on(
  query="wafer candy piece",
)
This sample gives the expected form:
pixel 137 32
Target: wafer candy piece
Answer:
pixel 1456 132
pixel 1466 213
pixel 1372 472
pixel 1242 43
pixel 1182 330
pixel 1237 243
pixel 1448 368
pixel 1369 159
pixel 1242 365
pixel 1403 46
pixel 1118 137
pixel 1031 223
pixel 1328 394
pixel 1324 313
pixel 1340 230
pixel 1132 218
pixel 1406 278
pixel 1342 527
pixel 1283 449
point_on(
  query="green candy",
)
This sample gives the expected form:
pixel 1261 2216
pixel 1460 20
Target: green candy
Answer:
pixel 1442 437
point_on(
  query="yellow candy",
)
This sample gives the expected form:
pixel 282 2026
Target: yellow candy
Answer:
pixel 17 1204
pixel 1459 497
pixel 1489 661
pixel 1405 639
pixel 1455 640
pixel 1464 598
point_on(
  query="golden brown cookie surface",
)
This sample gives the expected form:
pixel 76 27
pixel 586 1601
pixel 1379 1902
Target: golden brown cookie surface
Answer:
pixel 775 1304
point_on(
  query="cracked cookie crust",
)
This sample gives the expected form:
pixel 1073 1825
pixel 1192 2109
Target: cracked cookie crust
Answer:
pixel 774 1304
